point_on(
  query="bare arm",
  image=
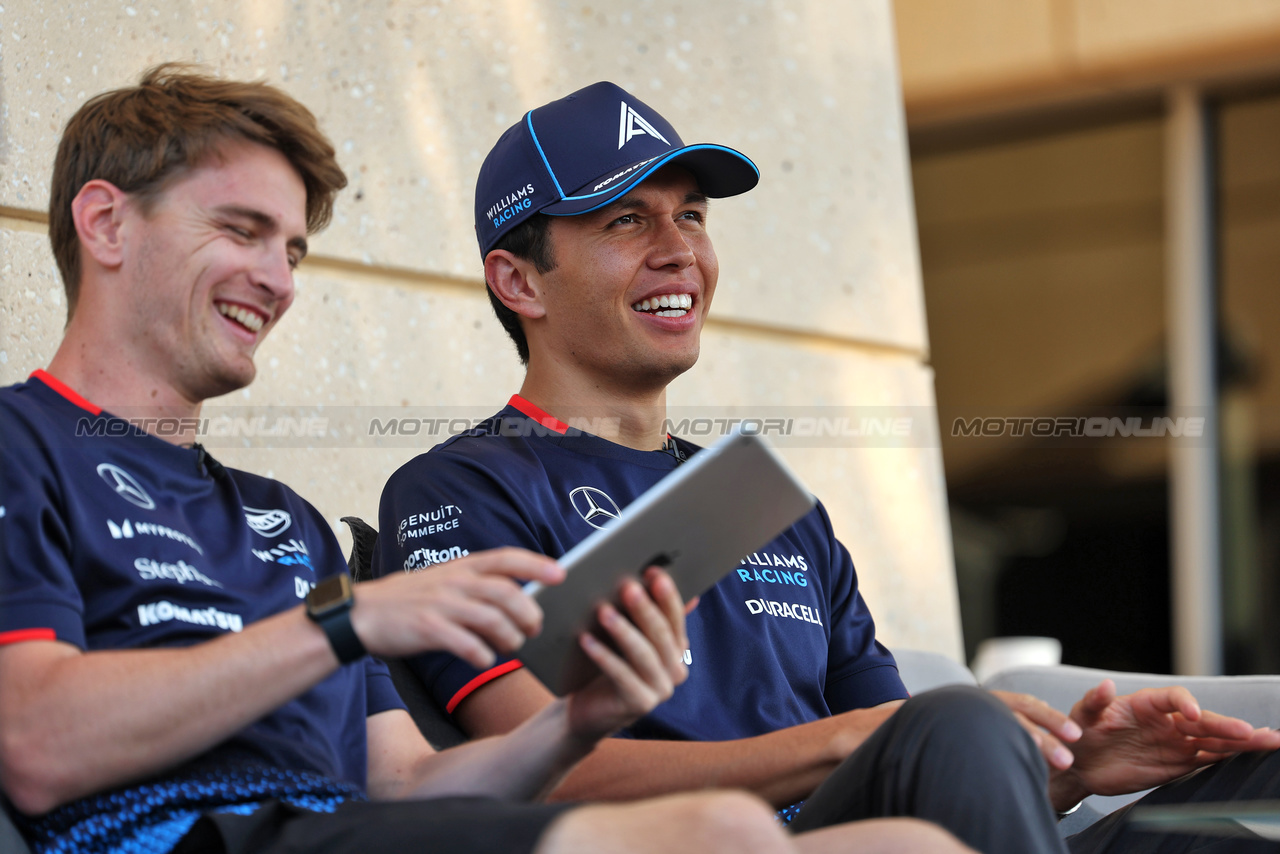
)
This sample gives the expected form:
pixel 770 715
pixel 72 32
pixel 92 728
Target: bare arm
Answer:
pixel 74 722
pixel 521 765
pixel 534 756
pixel 782 767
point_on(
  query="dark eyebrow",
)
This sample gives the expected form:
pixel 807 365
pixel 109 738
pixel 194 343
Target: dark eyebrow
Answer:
pixel 634 201
pixel 265 223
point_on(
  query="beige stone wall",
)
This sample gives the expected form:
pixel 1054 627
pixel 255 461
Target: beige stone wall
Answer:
pixel 968 58
pixel 820 300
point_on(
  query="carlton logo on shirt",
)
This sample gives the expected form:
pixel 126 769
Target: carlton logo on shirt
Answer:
pixel 267 523
pixel 126 486
pixel 423 558
pixel 595 506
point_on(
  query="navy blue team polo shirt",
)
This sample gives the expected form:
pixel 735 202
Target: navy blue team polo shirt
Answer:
pixel 783 639
pixel 111 538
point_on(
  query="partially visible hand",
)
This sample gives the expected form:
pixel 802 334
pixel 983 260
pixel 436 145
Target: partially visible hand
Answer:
pixel 1149 738
pixel 472 607
pixel 649 662
pixel 1049 728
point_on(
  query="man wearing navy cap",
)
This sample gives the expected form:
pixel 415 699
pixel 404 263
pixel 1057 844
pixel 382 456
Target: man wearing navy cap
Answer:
pixel 591 215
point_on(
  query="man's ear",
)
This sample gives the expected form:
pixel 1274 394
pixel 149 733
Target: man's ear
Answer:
pixel 516 282
pixel 98 213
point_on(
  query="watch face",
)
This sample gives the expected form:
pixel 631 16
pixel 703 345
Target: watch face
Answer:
pixel 329 595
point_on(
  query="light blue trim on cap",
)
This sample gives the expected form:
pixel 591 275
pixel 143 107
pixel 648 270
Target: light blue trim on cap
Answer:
pixel 528 120
pixel 640 176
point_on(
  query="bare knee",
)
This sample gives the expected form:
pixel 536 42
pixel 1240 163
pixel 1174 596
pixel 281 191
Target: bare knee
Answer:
pixel 731 822
pixel 882 836
pixel 713 822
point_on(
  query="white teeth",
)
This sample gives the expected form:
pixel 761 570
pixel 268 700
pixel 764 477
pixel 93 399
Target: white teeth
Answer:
pixel 679 302
pixel 244 317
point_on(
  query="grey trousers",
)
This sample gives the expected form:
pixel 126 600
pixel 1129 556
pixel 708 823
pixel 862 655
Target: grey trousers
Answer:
pixel 957 757
pixel 954 756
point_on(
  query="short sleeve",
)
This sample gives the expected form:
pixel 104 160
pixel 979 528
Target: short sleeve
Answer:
pixel 39 598
pixel 861 672
pixel 380 691
pixel 438 507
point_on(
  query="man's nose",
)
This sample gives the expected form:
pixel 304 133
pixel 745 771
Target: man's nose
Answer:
pixel 274 274
pixel 671 247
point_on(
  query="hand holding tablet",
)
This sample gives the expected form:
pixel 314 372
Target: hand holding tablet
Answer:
pixel 697 524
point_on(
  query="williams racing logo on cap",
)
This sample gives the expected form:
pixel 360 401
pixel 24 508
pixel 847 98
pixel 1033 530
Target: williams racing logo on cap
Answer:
pixel 632 124
pixel 268 523
pixel 510 205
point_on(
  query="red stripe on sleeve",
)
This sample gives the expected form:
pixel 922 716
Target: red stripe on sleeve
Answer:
pixel 488 676
pixel 23 635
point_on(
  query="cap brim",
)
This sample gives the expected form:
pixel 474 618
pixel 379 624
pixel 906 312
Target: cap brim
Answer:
pixel 720 171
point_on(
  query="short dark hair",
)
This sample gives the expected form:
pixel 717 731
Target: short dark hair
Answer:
pixel 530 241
pixel 140 137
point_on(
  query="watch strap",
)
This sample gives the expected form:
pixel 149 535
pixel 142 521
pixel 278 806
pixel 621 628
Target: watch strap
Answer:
pixel 342 636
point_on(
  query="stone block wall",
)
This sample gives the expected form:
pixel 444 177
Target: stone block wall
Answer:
pixel 819 312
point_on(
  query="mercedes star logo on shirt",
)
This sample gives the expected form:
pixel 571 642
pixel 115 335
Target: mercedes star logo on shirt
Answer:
pixel 126 486
pixel 594 506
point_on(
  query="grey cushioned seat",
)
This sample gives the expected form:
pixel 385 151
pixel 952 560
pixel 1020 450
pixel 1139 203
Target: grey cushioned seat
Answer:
pixel 11 842
pixel 1253 698
pixel 922 670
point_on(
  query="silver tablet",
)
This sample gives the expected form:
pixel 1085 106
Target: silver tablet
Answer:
pixel 697 523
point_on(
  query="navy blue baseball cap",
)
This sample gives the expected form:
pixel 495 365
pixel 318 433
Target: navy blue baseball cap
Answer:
pixel 586 150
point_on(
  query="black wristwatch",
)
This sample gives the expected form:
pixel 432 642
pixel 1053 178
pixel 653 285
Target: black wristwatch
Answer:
pixel 329 605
